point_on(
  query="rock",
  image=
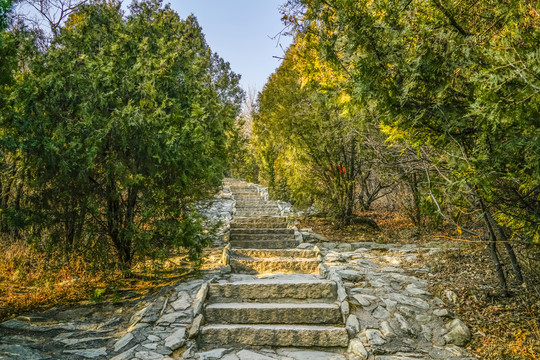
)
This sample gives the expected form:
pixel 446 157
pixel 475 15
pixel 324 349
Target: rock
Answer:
pixel 150 346
pixel 173 317
pixel 318 238
pixel 380 313
pixel 150 355
pixel 88 353
pixel 451 296
pixel 126 355
pixel 71 342
pixel 334 257
pixel 416 291
pixel 194 329
pixel 441 312
pixel 139 315
pixel 364 300
pixel 437 301
pixel 124 340
pixel 341 292
pixel 251 355
pixel 176 339
pixel 423 318
pixel 408 300
pixel 403 324
pixel 305 246
pixel 344 247
pixel 199 299
pixel 189 286
pixel 183 301
pixel 294 354
pixel 230 356
pixel 458 333
pixel 375 337
pixel 386 329
pixel 352 325
pixel 345 310
pixel 390 304
pixel 351 275
pixel 357 348
pixel 328 245
pixel 212 354
pixel 16 352
pixel 391 269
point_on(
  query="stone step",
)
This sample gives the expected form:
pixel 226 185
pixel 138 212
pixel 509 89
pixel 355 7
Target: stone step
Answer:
pixel 273 335
pixel 250 204
pixel 286 253
pixel 263 236
pixel 268 290
pixel 238 231
pixel 262 219
pixel 256 207
pixel 273 313
pixel 257 213
pixel 274 265
pixel 261 225
pixel 263 244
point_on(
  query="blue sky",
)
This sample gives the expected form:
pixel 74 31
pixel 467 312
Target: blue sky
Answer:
pixel 239 31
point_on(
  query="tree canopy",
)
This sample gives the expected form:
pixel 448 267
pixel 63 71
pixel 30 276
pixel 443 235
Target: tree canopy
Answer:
pixel 115 129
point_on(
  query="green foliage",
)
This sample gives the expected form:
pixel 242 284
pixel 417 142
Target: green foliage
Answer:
pixel 116 129
pixel 460 77
pixel 307 142
pixel 5 9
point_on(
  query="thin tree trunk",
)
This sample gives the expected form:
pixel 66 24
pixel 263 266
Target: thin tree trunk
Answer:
pixel 509 248
pixel 492 247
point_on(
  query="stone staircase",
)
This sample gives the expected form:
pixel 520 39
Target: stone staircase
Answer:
pixel 287 306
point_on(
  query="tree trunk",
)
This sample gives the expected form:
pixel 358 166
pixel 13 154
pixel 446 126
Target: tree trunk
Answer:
pixel 492 247
pixel 114 226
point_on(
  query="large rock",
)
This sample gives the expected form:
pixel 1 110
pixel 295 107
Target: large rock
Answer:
pixel 458 333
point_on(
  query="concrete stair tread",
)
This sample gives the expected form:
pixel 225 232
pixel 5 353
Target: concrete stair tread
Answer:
pixel 263 244
pixel 273 305
pixel 274 327
pixel 302 313
pixel 272 253
pixel 275 259
pixel 262 237
pixel 239 231
pixel 273 282
pixel 274 335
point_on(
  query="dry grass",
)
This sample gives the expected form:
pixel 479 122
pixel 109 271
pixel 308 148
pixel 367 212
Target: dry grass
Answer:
pixel 32 281
pixel 504 328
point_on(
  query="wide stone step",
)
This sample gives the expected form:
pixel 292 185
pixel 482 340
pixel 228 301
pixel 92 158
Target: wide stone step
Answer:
pixel 257 213
pixel 250 222
pixel 257 207
pixel 267 290
pixel 262 219
pixel 261 225
pixel 273 313
pixel 263 244
pixel 290 253
pixel 274 265
pixel 263 236
pixel 246 230
pixel 273 335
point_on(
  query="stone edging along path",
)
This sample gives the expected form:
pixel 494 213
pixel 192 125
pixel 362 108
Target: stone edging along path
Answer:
pixel 385 308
